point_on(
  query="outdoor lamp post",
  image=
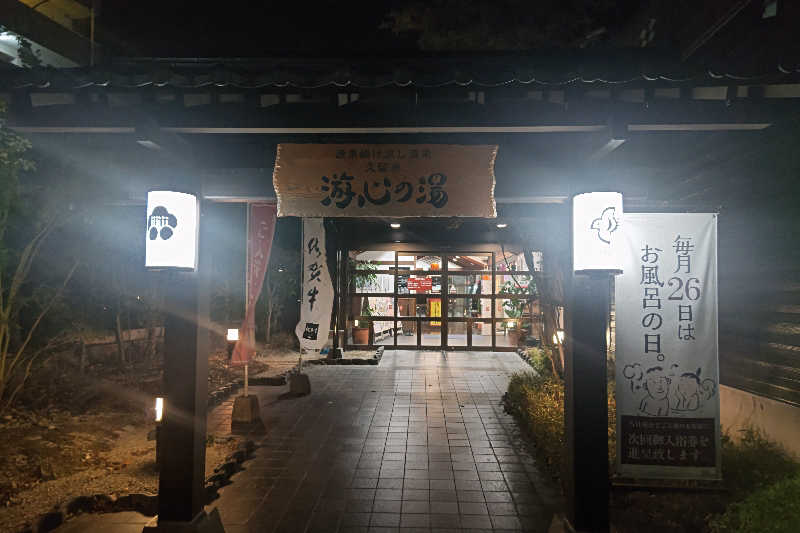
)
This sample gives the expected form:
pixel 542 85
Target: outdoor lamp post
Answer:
pixel 232 337
pixel 596 223
pixel 172 251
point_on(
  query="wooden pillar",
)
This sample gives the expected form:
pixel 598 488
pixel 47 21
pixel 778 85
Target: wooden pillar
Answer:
pixel 586 404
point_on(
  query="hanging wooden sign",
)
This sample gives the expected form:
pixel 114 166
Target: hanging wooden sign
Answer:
pixel 385 180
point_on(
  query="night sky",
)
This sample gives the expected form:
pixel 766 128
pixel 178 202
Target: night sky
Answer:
pixel 158 28
pixel 250 29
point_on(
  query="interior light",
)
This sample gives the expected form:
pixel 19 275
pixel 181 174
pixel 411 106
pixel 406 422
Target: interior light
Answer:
pixel 159 409
pixel 394 225
pixel 355 323
pixel 502 225
pixel 233 334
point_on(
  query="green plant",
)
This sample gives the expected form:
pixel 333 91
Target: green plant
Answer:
pixel 280 289
pixel 540 361
pixel 772 509
pixel 362 273
pixel 753 462
pixel 538 403
pixel 23 231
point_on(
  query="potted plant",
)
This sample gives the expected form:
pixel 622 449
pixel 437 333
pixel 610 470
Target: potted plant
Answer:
pixel 362 275
pixel 515 308
pixel 361 328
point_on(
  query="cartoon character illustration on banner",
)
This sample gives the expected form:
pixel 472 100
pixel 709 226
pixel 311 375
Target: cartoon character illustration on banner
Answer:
pixel 668 392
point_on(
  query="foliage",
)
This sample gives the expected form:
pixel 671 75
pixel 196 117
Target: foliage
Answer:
pixel 538 403
pixel 772 509
pixel 754 462
pixel 515 307
pixel 537 400
pixel 502 24
pixel 540 361
pixel 26 221
pixel 362 273
pixel 280 290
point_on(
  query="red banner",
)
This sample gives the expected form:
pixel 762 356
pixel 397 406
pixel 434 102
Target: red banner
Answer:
pixel 261 229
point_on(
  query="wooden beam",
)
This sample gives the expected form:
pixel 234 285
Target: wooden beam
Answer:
pixel 22 20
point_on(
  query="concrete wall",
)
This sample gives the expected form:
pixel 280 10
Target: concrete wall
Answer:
pixel 778 421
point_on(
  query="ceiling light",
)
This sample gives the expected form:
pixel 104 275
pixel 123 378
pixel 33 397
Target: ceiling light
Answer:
pixel 502 225
pixel 394 225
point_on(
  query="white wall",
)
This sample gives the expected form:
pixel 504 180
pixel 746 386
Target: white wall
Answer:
pixel 778 421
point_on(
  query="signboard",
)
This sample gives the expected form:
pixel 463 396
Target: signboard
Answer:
pixel 667 348
pixel 171 237
pixel 435 309
pixel 596 231
pixel 260 230
pixel 420 284
pixel 385 180
pixel 317 295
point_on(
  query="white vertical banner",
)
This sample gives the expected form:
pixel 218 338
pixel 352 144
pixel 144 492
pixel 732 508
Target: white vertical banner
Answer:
pixel 667 368
pixel 317 296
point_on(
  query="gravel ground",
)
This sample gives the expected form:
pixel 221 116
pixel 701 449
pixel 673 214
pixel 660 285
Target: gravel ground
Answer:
pixel 129 468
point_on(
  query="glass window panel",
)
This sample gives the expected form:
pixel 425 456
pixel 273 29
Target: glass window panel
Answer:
pixel 407 333
pixel 513 260
pixel 514 284
pixel 469 307
pixel 482 334
pixel 457 334
pixel 431 332
pixel 469 262
pixel 407 306
pixel 369 271
pixel 379 306
pixel 371 281
pixel 505 336
pixel 384 332
pixel 470 283
pixel 512 308
pixel 421 261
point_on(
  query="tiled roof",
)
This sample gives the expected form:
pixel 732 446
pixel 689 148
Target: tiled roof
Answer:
pixel 555 69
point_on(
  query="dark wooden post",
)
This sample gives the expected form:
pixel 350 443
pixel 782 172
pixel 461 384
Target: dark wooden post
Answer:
pixel 181 483
pixel 586 403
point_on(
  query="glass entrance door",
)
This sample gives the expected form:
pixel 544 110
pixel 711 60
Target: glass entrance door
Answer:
pixel 435 300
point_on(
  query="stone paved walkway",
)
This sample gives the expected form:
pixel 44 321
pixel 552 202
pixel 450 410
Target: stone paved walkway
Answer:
pixel 419 442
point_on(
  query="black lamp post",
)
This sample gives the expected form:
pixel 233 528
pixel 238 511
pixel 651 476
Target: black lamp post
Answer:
pixel 172 249
pixel 596 220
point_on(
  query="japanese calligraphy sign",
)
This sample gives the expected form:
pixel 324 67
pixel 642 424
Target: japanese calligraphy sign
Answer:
pixel 420 284
pixel 385 180
pixel 667 347
pixel 260 230
pixel 317 295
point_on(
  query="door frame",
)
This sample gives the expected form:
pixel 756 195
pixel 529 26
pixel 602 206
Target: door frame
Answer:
pixel 444 254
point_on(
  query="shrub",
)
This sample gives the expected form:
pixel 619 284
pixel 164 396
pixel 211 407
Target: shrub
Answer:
pixel 753 463
pixel 540 361
pixel 538 402
pixel 773 509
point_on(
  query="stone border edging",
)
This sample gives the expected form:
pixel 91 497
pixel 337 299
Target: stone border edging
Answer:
pixel 146 504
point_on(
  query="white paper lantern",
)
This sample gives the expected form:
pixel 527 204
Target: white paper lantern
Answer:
pixel 597 232
pixel 171 233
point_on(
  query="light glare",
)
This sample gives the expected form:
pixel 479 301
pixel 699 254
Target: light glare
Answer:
pixel 159 409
